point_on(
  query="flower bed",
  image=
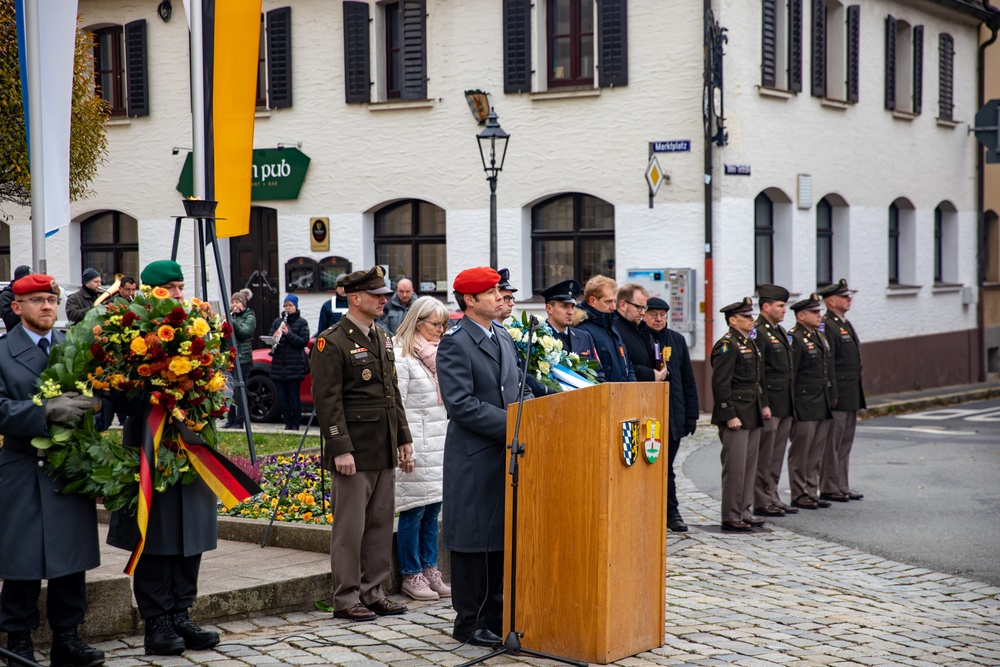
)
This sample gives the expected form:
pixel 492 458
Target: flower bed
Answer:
pixel 300 502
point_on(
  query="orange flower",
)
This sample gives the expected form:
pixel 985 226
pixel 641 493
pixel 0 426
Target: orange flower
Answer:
pixel 145 370
pixel 161 293
pixel 166 332
pixel 100 385
pixel 306 516
pixel 138 346
pixel 195 301
pixel 97 329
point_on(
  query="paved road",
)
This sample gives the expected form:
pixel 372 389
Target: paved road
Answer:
pixel 930 480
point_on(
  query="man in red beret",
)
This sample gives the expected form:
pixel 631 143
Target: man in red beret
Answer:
pixel 44 534
pixel 478 376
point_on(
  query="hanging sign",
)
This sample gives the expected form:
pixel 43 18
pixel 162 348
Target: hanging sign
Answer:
pixel 276 174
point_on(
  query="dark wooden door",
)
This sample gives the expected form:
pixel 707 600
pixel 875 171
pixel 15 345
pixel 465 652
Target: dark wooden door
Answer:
pixel 254 264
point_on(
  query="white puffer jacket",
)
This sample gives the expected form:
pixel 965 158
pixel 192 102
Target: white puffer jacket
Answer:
pixel 428 423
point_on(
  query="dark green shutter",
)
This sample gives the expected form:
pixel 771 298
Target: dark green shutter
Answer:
pixel 946 76
pixel 279 58
pixel 413 54
pixel 357 35
pixel 853 52
pixel 918 69
pixel 795 46
pixel 612 43
pixel 890 63
pixel 769 44
pixel 819 48
pixel 517 46
pixel 137 87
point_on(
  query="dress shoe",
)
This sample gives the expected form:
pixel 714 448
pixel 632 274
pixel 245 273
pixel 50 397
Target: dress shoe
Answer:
pixel 676 524
pixel 736 526
pixel 787 509
pixel 161 638
pixel 386 607
pixel 358 612
pixel 805 503
pixel 854 495
pixel 770 510
pixel 20 643
pixel 822 503
pixel 482 637
pixel 836 496
pixel 68 650
pixel 753 521
pixel 195 638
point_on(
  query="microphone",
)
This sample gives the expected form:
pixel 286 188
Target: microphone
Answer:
pixel 533 322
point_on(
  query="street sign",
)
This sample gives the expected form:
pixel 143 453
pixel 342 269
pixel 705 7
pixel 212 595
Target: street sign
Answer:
pixel 987 127
pixel 681 146
pixel 737 170
pixel 654 176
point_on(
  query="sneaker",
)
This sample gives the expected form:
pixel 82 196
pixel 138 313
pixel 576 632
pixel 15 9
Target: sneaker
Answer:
pixel 195 638
pixel 161 638
pixel 418 588
pixel 19 643
pixel 68 650
pixel 436 583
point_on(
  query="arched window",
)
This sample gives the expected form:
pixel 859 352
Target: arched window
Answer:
pixel 410 240
pixel 572 236
pixel 902 244
pixel 946 244
pixel 824 243
pixel 893 244
pixel 763 232
pixel 109 242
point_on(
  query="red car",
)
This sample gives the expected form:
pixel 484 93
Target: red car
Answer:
pixel 262 400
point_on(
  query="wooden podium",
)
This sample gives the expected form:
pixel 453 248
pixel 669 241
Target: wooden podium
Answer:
pixel 592 531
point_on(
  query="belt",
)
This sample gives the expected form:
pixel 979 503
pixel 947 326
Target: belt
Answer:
pixel 390 403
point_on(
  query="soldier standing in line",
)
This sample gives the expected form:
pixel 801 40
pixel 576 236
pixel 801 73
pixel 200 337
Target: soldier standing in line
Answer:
pixel 740 411
pixel 846 351
pixel 775 345
pixel 815 394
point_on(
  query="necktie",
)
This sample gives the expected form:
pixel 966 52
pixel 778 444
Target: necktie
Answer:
pixel 43 343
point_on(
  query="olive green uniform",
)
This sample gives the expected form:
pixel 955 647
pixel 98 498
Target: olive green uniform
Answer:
pixel 846 352
pixel 775 345
pixel 815 395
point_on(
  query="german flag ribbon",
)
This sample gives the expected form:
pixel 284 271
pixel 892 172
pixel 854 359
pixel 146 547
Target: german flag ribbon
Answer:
pixel 226 480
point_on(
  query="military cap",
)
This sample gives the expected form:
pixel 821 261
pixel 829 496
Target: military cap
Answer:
pixel 35 282
pixel 811 302
pixel 563 291
pixel 161 272
pixel 371 281
pixel 340 279
pixel 505 280
pixel 476 280
pixel 775 292
pixel 838 288
pixel 656 303
pixel 742 307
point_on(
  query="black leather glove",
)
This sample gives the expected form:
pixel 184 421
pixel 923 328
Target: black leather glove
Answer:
pixel 64 408
pixel 690 427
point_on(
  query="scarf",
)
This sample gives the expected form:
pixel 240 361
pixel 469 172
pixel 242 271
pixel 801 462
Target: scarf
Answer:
pixel 426 351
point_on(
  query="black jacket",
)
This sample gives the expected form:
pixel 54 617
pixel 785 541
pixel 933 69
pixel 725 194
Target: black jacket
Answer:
pixel 613 356
pixel 79 303
pixel 683 390
pixel 638 345
pixel 289 360
pixel 10 318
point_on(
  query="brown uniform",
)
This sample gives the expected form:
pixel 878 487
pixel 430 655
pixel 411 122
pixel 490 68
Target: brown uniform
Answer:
pixel 775 345
pixel 846 352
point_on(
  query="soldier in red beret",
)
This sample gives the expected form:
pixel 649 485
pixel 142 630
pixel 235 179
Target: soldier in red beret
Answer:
pixel 478 376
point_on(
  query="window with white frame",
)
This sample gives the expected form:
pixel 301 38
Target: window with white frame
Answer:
pixel 904 66
pixel 902 244
pixel 946 244
pixel 773 253
pixel 781 45
pixel 836 32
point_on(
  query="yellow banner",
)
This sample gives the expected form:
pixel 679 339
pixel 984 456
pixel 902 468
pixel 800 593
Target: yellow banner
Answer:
pixel 234 100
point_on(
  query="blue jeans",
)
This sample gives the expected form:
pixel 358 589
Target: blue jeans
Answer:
pixel 417 538
pixel 289 402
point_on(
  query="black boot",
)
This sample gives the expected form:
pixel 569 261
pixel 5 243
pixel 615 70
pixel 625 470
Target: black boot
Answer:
pixel 194 637
pixel 68 650
pixel 161 638
pixel 20 643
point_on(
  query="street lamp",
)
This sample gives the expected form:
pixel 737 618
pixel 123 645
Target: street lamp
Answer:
pixel 493 140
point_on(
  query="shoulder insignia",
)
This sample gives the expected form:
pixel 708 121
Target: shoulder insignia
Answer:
pixel 453 330
pixel 822 327
pixel 320 344
pixel 725 348
pixel 789 339
pixel 753 334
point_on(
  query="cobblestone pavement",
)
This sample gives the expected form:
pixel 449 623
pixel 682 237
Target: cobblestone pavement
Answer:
pixel 768 598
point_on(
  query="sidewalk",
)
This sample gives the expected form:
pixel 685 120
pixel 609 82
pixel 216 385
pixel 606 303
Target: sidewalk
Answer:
pixel 769 598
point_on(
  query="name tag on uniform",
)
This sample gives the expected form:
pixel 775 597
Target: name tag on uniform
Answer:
pixel 360 353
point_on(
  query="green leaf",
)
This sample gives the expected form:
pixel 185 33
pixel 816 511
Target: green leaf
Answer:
pixel 41 443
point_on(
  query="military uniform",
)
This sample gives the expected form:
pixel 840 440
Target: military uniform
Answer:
pixel 846 350
pixel 573 339
pixel 737 379
pixel 775 345
pixel 360 413
pixel 814 396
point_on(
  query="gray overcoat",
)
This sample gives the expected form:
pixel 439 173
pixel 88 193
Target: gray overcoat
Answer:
pixel 476 387
pixel 44 534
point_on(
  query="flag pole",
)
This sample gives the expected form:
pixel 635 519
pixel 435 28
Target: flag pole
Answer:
pixel 198 121
pixel 32 39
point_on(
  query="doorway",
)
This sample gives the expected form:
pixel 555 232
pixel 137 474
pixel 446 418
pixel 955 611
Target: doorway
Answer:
pixel 254 265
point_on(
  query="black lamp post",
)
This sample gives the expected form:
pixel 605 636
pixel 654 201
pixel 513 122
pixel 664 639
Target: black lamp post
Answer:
pixel 493 140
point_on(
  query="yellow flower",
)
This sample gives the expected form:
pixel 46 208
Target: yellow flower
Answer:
pixel 217 383
pixel 515 335
pixel 185 347
pixel 166 332
pixel 180 366
pixel 543 367
pixel 36 399
pixel 161 293
pixel 546 342
pixel 138 345
pixel 199 327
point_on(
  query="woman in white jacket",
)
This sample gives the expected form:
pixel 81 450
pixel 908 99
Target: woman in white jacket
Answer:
pixel 418 488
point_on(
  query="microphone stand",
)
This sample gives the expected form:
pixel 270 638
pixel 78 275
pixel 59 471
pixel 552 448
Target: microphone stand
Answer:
pixel 512 643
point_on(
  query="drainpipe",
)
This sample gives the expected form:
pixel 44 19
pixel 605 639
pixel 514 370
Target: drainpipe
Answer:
pixel 981 249
pixel 707 119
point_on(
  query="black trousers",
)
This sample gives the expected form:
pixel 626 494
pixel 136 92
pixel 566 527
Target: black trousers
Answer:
pixel 165 584
pixel 65 608
pixel 477 592
pixel 673 446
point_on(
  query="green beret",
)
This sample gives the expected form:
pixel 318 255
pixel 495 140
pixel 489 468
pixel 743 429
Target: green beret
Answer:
pixel 161 272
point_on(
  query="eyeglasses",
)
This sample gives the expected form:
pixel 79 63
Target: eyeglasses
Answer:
pixel 41 300
pixel 440 326
pixel 641 309
pixel 509 299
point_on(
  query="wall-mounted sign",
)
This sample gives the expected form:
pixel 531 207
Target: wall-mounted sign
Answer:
pixel 319 234
pixel 737 170
pixel 276 174
pixel 655 176
pixel 680 146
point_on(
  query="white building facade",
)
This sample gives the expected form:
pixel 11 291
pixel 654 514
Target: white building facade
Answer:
pixel 845 126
